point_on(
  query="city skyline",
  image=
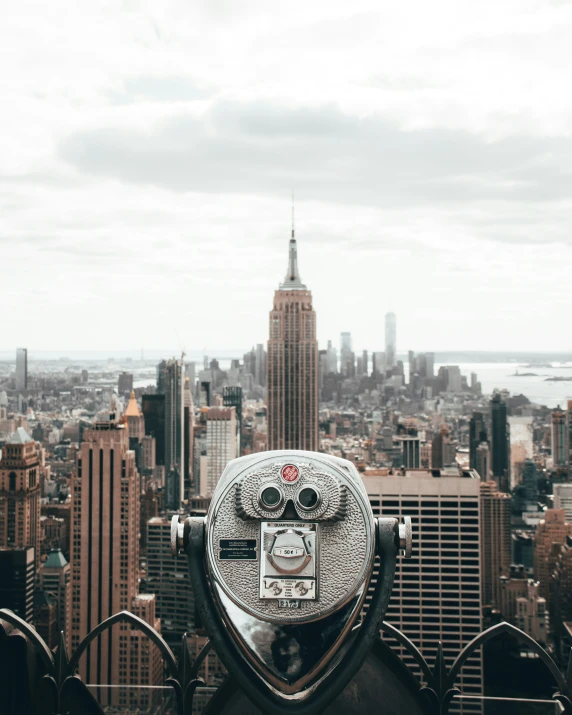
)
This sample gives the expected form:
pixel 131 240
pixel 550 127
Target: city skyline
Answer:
pixel 162 172
pixel 372 436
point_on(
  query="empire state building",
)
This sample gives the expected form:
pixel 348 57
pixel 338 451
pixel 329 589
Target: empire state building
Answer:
pixel 292 364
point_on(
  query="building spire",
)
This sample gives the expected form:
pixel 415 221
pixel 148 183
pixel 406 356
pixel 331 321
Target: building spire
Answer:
pixel 292 280
pixel 132 409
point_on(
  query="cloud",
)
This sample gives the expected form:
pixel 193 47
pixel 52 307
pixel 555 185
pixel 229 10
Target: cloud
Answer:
pixel 261 147
pixel 156 88
pixel 149 151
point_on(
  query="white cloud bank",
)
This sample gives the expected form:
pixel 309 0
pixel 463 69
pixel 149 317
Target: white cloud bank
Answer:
pixel 149 150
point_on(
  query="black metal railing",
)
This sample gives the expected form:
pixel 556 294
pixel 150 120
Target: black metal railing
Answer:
pixel 56 689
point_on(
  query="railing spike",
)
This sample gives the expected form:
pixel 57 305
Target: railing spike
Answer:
pixel 439 671
pixel 62 660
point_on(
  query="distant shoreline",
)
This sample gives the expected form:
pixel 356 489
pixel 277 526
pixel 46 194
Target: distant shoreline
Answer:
pixel 451 357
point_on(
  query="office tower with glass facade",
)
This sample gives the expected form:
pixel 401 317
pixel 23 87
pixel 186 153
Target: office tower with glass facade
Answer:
pixel 260 365
pixel 21 369
pixel 390 340
pixel 477 434
pixel 174 434
pixel 530 484
pixel 17 577
pixel 189 426
pixel 347 356
pixel 410 450
pixel 559 438
pixel 154 416
pixel 168 579
pixel 500 441
pixel 292 364
pixel 125 383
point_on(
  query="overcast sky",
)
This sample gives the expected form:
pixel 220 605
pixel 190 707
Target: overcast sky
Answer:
pixel 148 151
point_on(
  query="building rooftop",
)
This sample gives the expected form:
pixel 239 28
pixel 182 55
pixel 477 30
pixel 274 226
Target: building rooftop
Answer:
pixel 404 473
pixel 55 560
pixel 292 281
pixel 20 436
pixel 220 413
pixel 132 409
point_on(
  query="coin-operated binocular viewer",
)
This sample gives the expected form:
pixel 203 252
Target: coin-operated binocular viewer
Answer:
pixel 280 568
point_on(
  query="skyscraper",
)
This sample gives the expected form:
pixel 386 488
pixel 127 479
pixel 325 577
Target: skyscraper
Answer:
pixel 530 484
pixel 22 369
pixel 521 605
pixel 390 340
pixel 260 365
pixel 292 364
pixel 332 361
pixel 154 416
pixel 232 397
pixel 189 425
pixel 365 362
pixel 221 446
pixel 168 579
pixel 347 357
pixel 174 433
pixel 561 597
pixel 378 364
pixel 17 575
pixel 125 383
pixel 563 498
pixel 553 529
pixel 500 441
pixel 477 434
pixel 436 595
pixel 521 445
pixel 105 563
pixel 559 434
pixel 569 433
pixel 54 578
pixel 20 494
pixel 495 541
pixel 483 461
pixel 410 452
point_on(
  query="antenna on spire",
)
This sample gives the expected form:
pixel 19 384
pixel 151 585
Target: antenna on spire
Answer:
pixel 292 213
